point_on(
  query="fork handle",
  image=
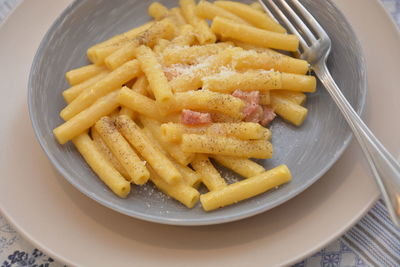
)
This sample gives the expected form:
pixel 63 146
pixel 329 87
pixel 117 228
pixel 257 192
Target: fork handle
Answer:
pixel 384 166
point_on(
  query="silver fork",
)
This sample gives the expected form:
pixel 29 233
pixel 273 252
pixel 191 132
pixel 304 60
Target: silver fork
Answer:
pixel 384 166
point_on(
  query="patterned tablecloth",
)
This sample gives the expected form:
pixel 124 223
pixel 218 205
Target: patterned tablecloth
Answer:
pixel 374 241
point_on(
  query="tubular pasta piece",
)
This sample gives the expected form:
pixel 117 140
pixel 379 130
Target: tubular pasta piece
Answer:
pixel 107 84
pixel 73 92
pixel 288 110
pixel 257 18
pixel 81 74
pixel 180 191
pixel 88 117
pixel 245 167
pixel 261 80
pixel 139 103
pixel 204 100
pixel 209 175
pixel 192 54
pixel 246 188
pixel 252 35
pixel 155 75
pixel 157 160
pixel 105 171
pixel 203 31
pixel 243 130
pixel 99 52
pixel 228 146
pixel 163 29
pixel 122 151
pixel 103 148
pixel 209 11
pixel 172 149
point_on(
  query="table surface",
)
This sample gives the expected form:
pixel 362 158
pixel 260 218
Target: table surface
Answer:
pixel 373 241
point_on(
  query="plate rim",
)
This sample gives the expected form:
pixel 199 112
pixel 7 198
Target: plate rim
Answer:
pixel 291 261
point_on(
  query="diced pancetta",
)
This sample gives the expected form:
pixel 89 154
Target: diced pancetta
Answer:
pixel 195 118
pixel 252 113
pixel 267 116
pixel 252 97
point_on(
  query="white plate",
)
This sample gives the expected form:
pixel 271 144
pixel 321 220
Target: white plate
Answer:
pixel 76 230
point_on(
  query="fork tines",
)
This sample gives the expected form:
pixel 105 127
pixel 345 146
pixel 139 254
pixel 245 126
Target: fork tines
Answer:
pixel 297 19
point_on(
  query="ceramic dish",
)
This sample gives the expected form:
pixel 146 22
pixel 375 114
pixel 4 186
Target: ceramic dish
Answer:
pixel 75 230
pixel 309 150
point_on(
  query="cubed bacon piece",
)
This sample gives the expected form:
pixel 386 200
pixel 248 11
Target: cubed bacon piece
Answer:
pixel 252 97
pixel 252 113
pixel 194 118
pixel 268 115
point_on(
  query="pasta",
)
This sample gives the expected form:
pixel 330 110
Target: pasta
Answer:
pixel 190 55
pixel 190 77
pixel 122 151
pixel 255 17
pixel 265 98
pixel 99 52
pixel 262 80
pixel 257 6
pixel 251 47
pixel 138 103
pixel 209 11
pixel 189 176
pixel 209 101
pixel 172 149
pixel 106 172
pixel 178 13
pixel 228 146
pixel 166 101
pixel 246 188
pixel 288 109
pixel 83 73
pixel 269 60
pixel 139 86
pixel 87 118
pixel 110 82
pixel 209 175
pixel 180 191
pixel 161 29
pixel 255 36
pixel 157 160
pixel 173 132
pixel 158 11
pixel 186 36
pixel 243 166
pixel 203 31
pixel 106 152
pixel 296 97
pixel 74 91
pixel 152 69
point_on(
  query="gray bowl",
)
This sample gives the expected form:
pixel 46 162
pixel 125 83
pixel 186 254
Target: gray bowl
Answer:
pixel 309 150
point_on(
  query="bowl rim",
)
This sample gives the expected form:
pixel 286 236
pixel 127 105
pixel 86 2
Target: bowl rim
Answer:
pixel 188 222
